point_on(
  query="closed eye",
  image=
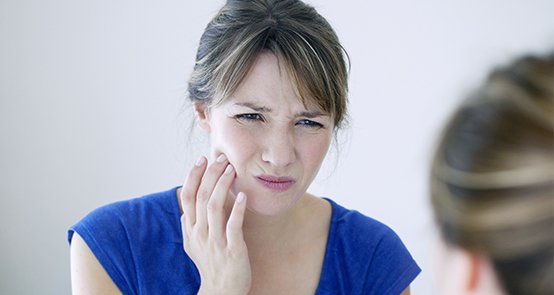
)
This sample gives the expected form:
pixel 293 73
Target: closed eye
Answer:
pixel 310 124
pixel 249 117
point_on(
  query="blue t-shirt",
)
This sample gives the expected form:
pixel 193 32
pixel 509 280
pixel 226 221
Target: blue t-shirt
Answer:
pixel 140 245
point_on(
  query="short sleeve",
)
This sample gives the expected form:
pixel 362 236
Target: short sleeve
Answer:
pixel 105 234
pixel 392 268
pixel 364 256
pixel 139 243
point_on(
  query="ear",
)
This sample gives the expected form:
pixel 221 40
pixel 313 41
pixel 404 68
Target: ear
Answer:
pixel 484 279
pixel 461 271
pixel 479 275
pixel 473 271
pixel 202 115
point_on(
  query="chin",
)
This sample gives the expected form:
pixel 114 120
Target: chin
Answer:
pixel 264 210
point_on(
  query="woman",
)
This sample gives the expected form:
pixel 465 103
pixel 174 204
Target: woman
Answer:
pixel 492 185
pixel 269 89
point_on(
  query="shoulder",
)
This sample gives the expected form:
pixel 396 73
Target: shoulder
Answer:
pixel 122 214
pixel 372 250
pixel 126 236
pixel 160 202
pixel 359 228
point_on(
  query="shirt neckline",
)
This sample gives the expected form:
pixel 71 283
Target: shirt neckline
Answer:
pixel 321 285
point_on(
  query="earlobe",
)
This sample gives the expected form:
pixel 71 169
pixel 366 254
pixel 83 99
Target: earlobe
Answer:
pixel 458 271
pixel 202 115
pixel 480 275
pixel 473 271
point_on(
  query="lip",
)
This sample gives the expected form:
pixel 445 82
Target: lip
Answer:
pixel 276 183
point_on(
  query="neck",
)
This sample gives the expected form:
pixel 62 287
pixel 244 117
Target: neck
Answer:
pixel 269 234
pixel 264 231
pixel 265 234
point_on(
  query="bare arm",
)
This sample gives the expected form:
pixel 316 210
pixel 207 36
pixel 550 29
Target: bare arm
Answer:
pixel 406 291
pixel 87 275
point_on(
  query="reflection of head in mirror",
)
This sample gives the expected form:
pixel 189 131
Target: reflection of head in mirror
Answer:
pixel 270 89
pixel 492 185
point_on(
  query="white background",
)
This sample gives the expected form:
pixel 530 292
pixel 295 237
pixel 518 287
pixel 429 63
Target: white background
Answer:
pixel 93 110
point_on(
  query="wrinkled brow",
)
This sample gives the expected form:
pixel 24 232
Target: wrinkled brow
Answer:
pixel 254 107
pixel 307 114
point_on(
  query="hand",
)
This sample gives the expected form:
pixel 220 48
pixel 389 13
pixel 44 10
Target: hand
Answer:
pixel 215 245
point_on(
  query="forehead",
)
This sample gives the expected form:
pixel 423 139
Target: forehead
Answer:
pixel 268 82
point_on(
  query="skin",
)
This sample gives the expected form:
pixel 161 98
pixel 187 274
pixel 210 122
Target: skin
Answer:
pixel 264 129
pixel 243 237
pixel 87 274
pixel 463 272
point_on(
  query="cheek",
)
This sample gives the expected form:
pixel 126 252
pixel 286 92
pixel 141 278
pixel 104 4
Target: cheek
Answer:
pixel 315 149
pixel 235 142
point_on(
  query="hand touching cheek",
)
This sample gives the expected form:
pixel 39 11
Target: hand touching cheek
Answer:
pixel 214 242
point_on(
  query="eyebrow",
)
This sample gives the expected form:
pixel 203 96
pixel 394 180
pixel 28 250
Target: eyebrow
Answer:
pixel 254 107
pixel 307 114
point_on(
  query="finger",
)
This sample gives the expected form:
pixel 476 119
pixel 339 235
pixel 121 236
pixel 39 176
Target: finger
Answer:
pixel 210 178
pixel 189 190
pixel 216 214
pixel 185 231
pixel 235 237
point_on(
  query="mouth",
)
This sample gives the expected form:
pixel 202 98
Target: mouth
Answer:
pixel 276 183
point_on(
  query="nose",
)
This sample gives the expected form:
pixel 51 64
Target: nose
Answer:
pixel 279 148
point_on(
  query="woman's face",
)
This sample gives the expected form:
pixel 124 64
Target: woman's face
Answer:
pixel 275 144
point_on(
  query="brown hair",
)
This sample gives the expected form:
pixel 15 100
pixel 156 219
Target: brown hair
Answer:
pixel 291 30
pixel 492 178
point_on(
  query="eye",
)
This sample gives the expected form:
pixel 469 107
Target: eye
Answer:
pixel 310 124
pixel 249 117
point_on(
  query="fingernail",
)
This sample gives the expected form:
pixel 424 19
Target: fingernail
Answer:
pixel 229 169
pixel 200 161
pixel 221 158
pixel 240 197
